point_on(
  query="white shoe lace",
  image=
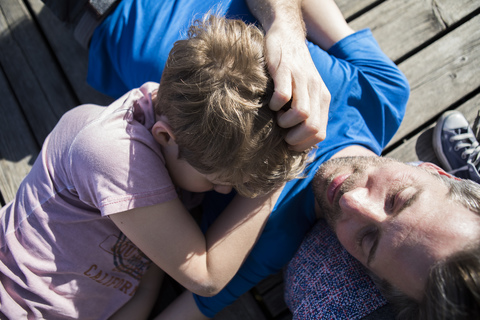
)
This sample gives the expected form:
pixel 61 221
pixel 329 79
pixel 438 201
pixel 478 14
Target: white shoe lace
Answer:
pixel 474 158
pixel 475 154
pixel 464 142
pixel 472 150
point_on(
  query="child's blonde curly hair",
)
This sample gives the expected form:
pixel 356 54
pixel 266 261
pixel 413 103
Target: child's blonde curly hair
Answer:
pixel 215 91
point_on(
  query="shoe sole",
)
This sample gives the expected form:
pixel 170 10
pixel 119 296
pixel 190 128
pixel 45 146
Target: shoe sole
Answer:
pixel 437 140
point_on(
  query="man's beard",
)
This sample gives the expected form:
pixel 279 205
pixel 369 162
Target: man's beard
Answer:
pixel 326 174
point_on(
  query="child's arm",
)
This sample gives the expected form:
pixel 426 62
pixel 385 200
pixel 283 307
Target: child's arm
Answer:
pixel 141 304
pixel 294 74
pixel 169 236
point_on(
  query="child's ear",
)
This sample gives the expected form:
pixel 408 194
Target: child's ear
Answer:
pixel 162 132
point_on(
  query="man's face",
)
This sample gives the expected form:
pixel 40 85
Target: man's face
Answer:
pixel 396 219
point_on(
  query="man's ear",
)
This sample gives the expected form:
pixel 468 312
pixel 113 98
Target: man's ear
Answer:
pixel 162 132
pixel 434 168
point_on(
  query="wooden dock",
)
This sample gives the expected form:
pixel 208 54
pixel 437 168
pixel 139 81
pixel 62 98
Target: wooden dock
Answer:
pixel 436 43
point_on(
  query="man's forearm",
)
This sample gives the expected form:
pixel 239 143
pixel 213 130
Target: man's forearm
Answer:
pixel 287 12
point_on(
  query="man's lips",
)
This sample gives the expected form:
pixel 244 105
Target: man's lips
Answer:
pixel 334 187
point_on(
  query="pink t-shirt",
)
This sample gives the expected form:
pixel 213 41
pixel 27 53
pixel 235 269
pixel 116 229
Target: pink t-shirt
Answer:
pixel 60 254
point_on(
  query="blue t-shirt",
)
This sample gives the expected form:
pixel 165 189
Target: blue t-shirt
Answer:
pixel 132 44
pixel 369 95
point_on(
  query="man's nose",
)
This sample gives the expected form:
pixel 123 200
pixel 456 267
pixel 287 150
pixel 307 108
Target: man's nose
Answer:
pixel 358 203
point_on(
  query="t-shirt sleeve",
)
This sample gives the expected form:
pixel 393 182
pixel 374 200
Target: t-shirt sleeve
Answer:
pixel 118 168
pixel 368 90
pixel 375 70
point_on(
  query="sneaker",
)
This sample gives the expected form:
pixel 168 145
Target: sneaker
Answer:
pixel 456 147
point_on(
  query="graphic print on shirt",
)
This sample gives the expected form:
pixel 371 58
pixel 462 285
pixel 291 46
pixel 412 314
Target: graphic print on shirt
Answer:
pixel 127 259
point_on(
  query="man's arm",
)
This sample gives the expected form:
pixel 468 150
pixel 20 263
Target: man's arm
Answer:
pixel 325 22
pixel 294 74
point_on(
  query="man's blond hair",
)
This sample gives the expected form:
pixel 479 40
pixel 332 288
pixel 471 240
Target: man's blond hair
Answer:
pixel 215 90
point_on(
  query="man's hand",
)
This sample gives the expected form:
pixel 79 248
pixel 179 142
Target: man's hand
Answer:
pixel 296 79
pixel 294 74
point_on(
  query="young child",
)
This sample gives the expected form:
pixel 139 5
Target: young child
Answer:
pixel 101 204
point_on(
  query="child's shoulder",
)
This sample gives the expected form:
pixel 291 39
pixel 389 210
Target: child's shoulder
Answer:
pixel 120 131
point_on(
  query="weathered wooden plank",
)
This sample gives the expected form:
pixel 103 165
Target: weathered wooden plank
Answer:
pixel 268 283
pixel 270 292
pixel 453 11
pixel 245 308
pixel 72 57
pixel 34 76
pixel 401 26
pixel 420 147
pixel 274 300
pixel 441 75
pixel 18 148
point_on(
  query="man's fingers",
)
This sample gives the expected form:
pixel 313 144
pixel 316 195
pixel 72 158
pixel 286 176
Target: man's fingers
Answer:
pixel 293 116
pixel 305 134
pixel 282 80
pixel 307 117
pixel 279 99
pixel 307 144
pixel 309 132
